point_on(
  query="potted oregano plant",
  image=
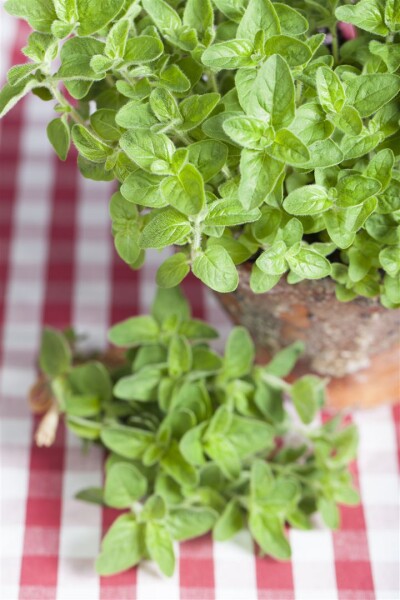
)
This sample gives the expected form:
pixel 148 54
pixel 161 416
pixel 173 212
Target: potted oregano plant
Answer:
pixel 197 442
pixel 251 136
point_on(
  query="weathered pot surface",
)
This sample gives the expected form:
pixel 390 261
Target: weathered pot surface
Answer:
pixel 355 343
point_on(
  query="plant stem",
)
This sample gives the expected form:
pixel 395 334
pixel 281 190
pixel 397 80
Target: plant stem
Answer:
pixel 61 99
pixel 183 137
pixel 335 44
pixel 213 81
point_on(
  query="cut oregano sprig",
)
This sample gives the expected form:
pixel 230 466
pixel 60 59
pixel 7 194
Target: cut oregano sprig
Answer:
pixel 197 441
pixel 237 130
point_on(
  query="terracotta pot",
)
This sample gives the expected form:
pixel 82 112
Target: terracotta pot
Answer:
pixel 355 344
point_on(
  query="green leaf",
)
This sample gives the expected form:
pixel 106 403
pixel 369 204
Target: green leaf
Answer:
pixel 185 191
pixel 330 90
pixel 329 512
pixel 191 446
pixel 228 213
pixel 187 523
pixel 355 189
pixel 91 378
pixel 229 523
pixel 357 146
pixel 366 14
pixel 134 331
pixel 174 79
pixel 239 353
pixel 128 442
pixel 170 303
pixel 76 55
pixel 273 93
pixel 144 189
pixel 249 436
pixel 93 495
pixel 249 132
pixel 389 258
pixel 116 39
pixel 224 454
pixel 145 147
pixel 392 14
pixel 91 19
pixel 164 105
pixel 208 156
pixel 199 15
pixel 141 387
pixel 259 175
pixel 123 546
pixel 259 16
pixel 215 268
pixel 380 167
pixel 348 121
pixel 167 227
pixel 307 263
pixel 195 109
pixel 261 282
pixel 291 21
pixel 40 14
pixel 18 73
pixel 124 485
pixel 173 270
pixel 324 153
pixel 10 95
pixel 163 15
pixel 342 224
pixel 283 362
pixel 142 49
pixel 194 329
pixel 159 546
pixel 273 260
pixel 103 123
pixel 231 9
pixel 307 200
pixel 288 148
pixel 135 115
pixel 232 54
pixel 59 137
pixel 90 146
pixel 306 393
pixel 261 481
pixel 291 49
pixel 267 530
pixel 178 468
pixel 82 405
pixel 55 354
pixel 368 93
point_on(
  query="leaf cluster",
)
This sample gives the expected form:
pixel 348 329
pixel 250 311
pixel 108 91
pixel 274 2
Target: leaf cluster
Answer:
pixel 236 130
pixel 197 441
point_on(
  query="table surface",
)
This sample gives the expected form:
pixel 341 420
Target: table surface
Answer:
pixel 58 267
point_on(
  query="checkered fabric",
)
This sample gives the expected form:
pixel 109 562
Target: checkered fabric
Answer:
pixel 58 266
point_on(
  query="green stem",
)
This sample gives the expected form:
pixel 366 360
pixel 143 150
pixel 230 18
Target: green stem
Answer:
pixel 335 45
pixel 185 139
pixel 213 80
pixel 64 102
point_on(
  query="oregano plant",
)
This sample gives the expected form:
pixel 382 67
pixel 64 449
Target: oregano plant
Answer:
pixel 237 130
pixel 197 441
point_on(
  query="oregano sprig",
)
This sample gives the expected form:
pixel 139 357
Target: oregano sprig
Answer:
pixel 197 441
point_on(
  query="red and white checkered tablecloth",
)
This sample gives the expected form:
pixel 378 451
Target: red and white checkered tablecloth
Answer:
pixel 58 266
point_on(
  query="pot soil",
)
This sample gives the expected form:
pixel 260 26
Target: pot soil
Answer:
pixel 355 344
